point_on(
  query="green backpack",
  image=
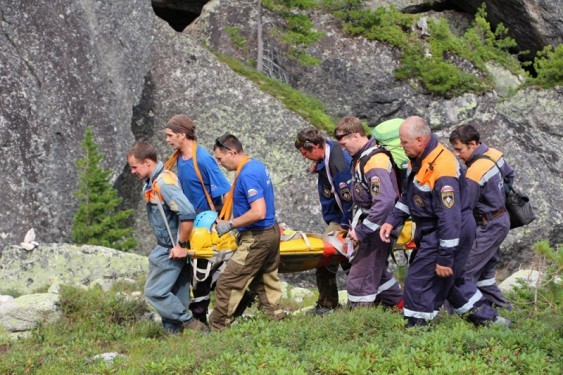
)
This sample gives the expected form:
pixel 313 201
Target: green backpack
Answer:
pixel 387 135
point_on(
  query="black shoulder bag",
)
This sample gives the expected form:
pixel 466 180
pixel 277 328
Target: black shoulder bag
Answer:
pixel 517 204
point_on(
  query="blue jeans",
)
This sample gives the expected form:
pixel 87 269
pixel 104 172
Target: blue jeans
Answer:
pixel 168 288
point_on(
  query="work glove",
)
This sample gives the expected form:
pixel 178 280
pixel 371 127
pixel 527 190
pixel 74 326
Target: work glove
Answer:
pixel 223 227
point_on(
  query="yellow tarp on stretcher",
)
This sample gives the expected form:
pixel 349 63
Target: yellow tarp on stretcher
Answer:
pixel 299 251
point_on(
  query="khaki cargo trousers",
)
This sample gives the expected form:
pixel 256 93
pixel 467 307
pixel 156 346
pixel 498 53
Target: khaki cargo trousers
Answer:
pixel 255 266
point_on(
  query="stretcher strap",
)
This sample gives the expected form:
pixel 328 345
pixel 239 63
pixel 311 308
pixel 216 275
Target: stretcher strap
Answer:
pixel 332 239
pixel 286 237
pixel 356 218
pixel 219 256
pixel 161 209
pixel 205 271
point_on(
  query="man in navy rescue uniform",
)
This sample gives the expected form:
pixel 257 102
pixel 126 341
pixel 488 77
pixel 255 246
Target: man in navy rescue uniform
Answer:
pixel 436 198
pixel 486 171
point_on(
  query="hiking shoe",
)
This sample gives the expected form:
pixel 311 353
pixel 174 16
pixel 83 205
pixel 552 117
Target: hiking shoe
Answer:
pixel 321 310
pixel 195 325
pixel 201 317
pixel 500 321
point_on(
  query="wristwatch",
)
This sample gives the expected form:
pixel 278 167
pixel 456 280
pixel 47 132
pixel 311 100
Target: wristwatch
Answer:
pixel 184 244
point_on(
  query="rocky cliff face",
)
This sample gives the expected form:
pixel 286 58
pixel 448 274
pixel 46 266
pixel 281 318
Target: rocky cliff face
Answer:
pixel 121 69
pixel 64 65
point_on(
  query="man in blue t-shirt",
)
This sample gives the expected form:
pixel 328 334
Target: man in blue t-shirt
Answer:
pixel 332 166
pixel 204 187
pixel 255 263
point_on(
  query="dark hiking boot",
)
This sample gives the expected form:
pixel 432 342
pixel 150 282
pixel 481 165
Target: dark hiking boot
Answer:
pixel 201 317
pixel 324 310
pixel 195 325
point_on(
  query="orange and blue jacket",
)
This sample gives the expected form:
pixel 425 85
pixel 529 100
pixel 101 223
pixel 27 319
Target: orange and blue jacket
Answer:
pixel 162 186
pixel 435 198
pixel 486 186
pixel 374 189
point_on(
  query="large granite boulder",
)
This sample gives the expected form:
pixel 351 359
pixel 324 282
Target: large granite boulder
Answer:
pixel 26 272
pixel 20 315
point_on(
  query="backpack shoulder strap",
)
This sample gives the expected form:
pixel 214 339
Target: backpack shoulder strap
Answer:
pixel 364 157
pixel 483 156
pixel 367 154
pixel 160 200
pixel 198 173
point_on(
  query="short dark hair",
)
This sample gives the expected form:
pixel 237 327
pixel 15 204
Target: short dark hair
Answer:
pixel 465 134
pixel 143 150
pixel 228 142
pixel 309 137
pixel 349 125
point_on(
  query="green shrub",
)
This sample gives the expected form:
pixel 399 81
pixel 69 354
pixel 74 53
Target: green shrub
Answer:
pixel 549 67
pixel 238 40
pixel 386 25
pixel 548 295
pixel 103 308
pixel 298 33
pixel 426 58
pixel 482 44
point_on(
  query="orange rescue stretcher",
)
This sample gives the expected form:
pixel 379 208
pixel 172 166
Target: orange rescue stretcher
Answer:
pixel 299 251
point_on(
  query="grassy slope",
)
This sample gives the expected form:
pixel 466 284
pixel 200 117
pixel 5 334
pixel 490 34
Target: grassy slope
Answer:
pixel 346 342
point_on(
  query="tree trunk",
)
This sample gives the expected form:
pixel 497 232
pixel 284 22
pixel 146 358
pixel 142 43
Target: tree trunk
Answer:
pixel 259 40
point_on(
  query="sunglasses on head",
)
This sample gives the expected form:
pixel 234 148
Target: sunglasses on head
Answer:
pixel 303 143
pixel 341 135
pixel 221 145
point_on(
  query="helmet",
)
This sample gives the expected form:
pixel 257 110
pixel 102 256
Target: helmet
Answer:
pixel 200 239
pixel 205 219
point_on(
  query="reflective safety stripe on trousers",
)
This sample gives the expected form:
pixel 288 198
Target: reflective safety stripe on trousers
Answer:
pixel 371 297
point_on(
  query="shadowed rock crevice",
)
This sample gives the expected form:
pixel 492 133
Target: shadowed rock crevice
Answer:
pixel 143 127
pixel 179 14
pixel 436 6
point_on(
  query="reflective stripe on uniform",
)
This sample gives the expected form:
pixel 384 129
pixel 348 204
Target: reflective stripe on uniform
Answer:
pixel 370 225
pixel 201 298
pixel 368 298
pixel 371 297
pixel 449 243
pixel 486 282
pixel 402 207
pixel 487 176
pixel 469 305
pixel 419 314
pixel 387 285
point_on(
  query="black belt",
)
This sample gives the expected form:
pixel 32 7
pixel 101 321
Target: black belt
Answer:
pixel 485 217
pixel 424 220
pixel 253 230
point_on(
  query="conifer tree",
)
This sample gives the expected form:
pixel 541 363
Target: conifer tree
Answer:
pixel 97 220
